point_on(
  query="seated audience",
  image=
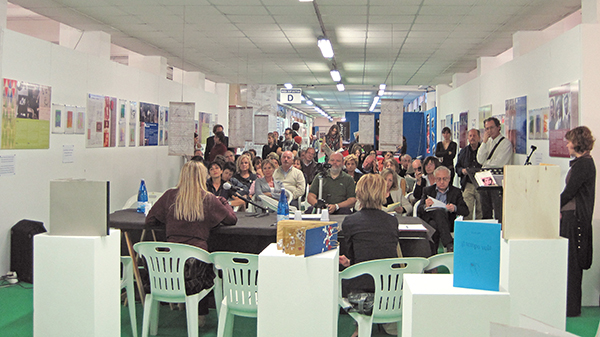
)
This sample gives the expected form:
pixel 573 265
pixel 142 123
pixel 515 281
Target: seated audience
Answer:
pixel 394 166
pixel 214 185
pixel 351 163
pixel 229 156
pixel 370 164
pixel 298 164
pixel 394 193
pixel 309 165
pixel 289 144
pixel 188 213
pixel 338 188
pixel 245 171
pixel 227 177
pixel 257 164
pixel 405 166
pixel 423 180
pixel 442 219
pixel 266 185
pixel 275 157
pixel 291 177
pixel 271 146
pixel 219 148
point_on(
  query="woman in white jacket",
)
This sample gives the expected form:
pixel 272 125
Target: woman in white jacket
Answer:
pixel 394 193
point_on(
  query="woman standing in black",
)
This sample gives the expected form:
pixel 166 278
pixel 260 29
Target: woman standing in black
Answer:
pixel 576 210
pixel 271 146
pixel 446 151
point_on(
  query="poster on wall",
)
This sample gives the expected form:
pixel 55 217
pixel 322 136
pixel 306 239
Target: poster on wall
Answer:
pixel 181 128
pixel 366 130
pixel 26 114
pixel 463 120
pixel 122 113
pixel 516 123
pixel 538 123
pixel 240 126
pixel 502 125
pixel 391 121
pixel 133 109
pixel 485 112
pixel 101 122
pixel 71 112
pixel 564 115
pixel 149 124
pixel 163 120
pixel 58 118
pixel 430 131
pixel 442 123
pixel 80 120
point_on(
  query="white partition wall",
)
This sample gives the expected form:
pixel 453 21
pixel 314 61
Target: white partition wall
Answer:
pixel 77 285
pixel 297 296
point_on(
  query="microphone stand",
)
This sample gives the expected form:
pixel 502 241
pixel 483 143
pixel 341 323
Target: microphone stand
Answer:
pixel 527 162
pixel 258 215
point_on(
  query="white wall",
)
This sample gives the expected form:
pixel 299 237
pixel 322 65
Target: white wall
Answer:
pixel 569 57
pixel 72 75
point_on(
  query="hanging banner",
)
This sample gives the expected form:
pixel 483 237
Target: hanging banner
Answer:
pixel 366 129
pixel 181 128
pixel 391 124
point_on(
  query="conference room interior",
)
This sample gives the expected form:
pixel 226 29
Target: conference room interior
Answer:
pixel 442 58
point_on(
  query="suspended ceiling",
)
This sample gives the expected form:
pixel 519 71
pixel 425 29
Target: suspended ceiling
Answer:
pixel 402 43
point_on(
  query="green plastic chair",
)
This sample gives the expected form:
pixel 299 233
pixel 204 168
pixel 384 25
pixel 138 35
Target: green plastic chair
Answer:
pixel 127 283
pixel 166 263
pixel 236 293
pixel 388 276
pixel 445 259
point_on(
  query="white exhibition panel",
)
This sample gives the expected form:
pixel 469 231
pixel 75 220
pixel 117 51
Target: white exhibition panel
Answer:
pixel 297 296
pixel 431 306
pixel 534 272
pixel 77 285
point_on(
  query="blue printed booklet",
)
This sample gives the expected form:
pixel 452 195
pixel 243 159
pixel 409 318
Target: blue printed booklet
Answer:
pixel 320 239
pixel 477 255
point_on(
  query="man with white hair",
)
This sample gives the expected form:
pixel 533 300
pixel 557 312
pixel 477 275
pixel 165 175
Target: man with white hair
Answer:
pixel 442 216
pixel 338 188
pixel 405 166
pixel 291 178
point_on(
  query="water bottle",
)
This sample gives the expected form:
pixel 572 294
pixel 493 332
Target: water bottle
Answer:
pixel 142 197
pixel 283 209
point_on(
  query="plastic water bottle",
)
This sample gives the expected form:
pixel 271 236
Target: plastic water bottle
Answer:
pixel 142 197
pixel 283 209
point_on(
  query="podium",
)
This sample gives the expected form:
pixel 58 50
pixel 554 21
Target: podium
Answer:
pixel 297 296
pixel 76 285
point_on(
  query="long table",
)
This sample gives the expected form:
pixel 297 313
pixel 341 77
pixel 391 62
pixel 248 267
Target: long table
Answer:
pixel 253 235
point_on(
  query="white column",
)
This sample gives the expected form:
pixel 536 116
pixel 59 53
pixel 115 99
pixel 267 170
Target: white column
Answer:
pixel 90 42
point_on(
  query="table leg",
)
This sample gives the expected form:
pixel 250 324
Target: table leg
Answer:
pixel 136 271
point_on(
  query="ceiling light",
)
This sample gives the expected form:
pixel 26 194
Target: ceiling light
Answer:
pixel 309 102
pixel 382 86
pixel 375 100
pixel 381 90
pixel 288 85
pixel 335 75
pixel 340 87
pixel 325 46
pixel 343 119
pixel 306 0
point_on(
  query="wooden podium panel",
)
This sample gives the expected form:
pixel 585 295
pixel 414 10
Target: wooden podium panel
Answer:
pixel 531 204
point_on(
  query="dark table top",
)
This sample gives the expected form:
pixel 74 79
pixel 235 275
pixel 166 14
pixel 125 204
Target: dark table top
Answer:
pixel 129 219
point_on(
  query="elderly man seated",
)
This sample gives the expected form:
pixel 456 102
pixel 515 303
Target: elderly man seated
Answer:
pixel 441 212
pixel 338 188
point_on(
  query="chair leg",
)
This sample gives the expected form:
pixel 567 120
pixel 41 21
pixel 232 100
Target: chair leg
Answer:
pixel 225 327
pixel 365 325
pixel 130 289
pixel 147 313
pixel 154 317
pixel 191 312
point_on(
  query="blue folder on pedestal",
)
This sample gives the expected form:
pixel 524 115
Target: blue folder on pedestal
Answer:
pixel 320 239
pixel 477 255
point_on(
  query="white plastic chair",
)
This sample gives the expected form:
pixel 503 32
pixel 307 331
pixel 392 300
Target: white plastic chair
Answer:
pixel 236 293
pixel 415 207
pixel 272 204
pixel 127 283
pixel 166 262
pixel 388 277
pixel 445 259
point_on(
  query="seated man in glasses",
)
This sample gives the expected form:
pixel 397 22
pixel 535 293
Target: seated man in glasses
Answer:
pixel 440 204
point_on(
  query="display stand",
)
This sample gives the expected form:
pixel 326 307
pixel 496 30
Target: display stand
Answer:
pixel 297 296
pixel 534 272
pixel 76 285
pixel 431 306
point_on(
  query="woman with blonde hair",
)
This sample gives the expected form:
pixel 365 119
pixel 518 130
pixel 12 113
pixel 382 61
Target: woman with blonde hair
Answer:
pixel 351 163
pixel 245 173
pixel 395 166
pixel 189 212
pixel 394 193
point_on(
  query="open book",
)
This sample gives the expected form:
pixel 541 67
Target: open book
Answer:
pixel 328 151
pixel 391 207
pixel 436 205
pixel 485 178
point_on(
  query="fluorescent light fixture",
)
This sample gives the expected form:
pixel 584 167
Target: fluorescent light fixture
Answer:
pixel 382 86
pixel 381 89
pixel 340 87
pixel 288 85
pixel 309 102
pixel 325 46
pixel 306 0
pixel 343 119
pixel 335 75
pixel 375 100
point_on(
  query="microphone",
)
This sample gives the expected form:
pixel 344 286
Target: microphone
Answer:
pixel 533 147
pixel 228 186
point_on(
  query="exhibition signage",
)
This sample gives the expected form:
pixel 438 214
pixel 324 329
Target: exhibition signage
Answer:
pixel 290 96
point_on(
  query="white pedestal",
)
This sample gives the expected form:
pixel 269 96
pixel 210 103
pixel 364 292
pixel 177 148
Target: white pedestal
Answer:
pixel 76 285
pixel 534 272
pixel 431 306
pixel 297 296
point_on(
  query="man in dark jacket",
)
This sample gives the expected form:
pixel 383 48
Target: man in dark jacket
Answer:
pixel 441 212
pixel 467 161
pixel 210 141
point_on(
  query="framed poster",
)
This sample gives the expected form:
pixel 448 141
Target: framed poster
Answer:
pixel 564 115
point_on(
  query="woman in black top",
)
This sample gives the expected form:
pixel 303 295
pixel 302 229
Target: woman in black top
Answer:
pixel 245 173
pixel 446 150
pixel 271 145
pixel 576 210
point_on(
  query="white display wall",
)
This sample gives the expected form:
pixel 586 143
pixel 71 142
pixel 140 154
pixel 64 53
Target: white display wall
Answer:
pixel 569 57
pixel 72 75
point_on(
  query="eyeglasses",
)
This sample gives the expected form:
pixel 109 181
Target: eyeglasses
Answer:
pixel 442 179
